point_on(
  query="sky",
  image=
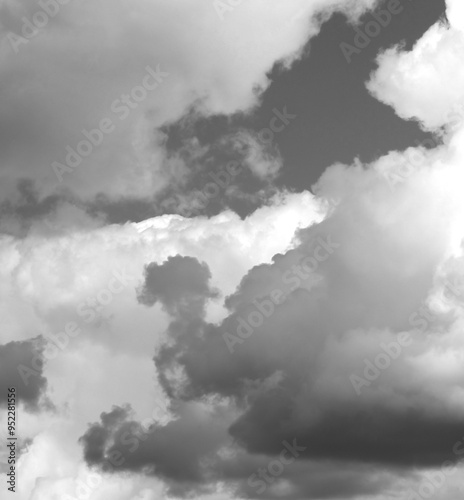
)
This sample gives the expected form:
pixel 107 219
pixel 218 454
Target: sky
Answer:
pixel 231 246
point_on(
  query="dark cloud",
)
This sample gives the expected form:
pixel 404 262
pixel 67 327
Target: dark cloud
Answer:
pixel 28 213
pixel 179 451
pixel 289 376
pixel 18 216
pixel 180 284
pixel 184 453
pixel 409 437
pixel 342 108
pixel 283 367
pixel 21 367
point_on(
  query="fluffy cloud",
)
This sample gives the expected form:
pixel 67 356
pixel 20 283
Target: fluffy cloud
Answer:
pixel 179 284
pixel 313 349
pixel 21 367
pixel 79 292
pixel 382 305
pixel 83 66
pixel 292 365
pixel 406 80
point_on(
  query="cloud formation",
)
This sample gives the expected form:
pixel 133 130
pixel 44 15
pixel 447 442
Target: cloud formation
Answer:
pixel 83 77
pixel 394 269
pixel 21 367
pixel 325 327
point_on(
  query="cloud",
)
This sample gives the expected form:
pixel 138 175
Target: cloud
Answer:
pixel 394 272
pixel 51 279
pixel 21 367
pixel 194 452
pixel 87 70
pixel 406 80
pixel 290 372
pixel 174 451
pixel 259 157
pixel 281 328
pixel 179 283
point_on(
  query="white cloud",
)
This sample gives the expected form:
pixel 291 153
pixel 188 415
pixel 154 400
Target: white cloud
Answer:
pixel 407 80
pixel 397 247
pixel 109 362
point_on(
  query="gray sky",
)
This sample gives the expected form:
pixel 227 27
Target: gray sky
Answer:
pixel 337 121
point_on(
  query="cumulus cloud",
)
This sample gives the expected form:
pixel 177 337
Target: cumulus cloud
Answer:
pixel 54 283
pixel 21 367
pixel 83 66
pixel 292 362
pixel 295 362
pixel 320 336
pixel 406 80
pixel 174 451
pixel 179 283
pixel 360 358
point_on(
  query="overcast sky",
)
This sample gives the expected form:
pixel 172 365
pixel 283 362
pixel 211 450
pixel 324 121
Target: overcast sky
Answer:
pixel 231 237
